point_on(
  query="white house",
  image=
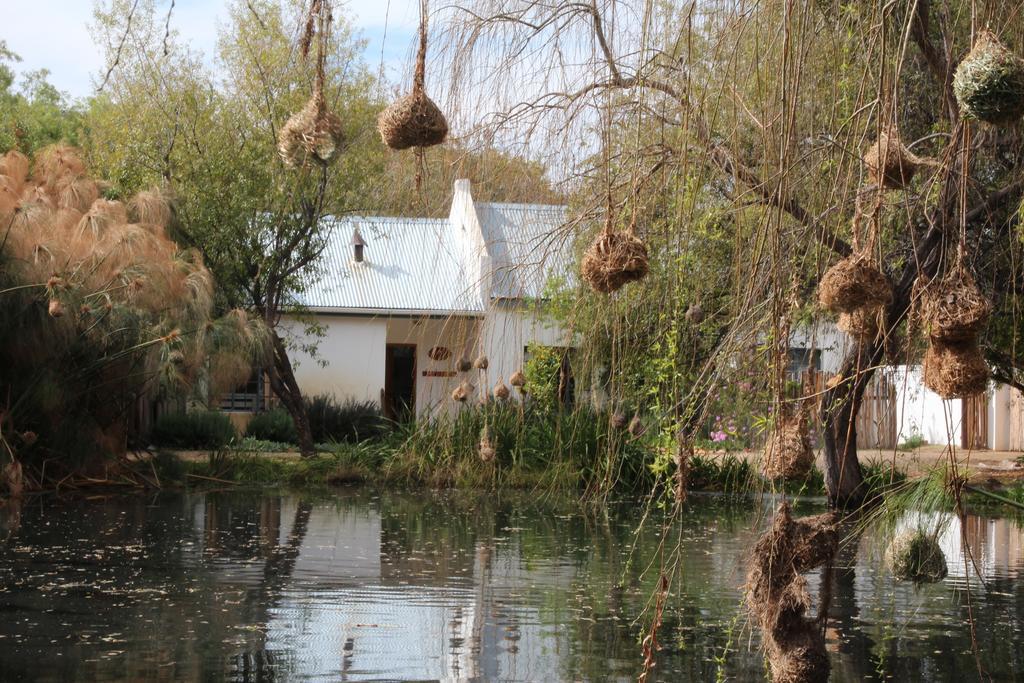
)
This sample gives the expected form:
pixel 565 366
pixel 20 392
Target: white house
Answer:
pixel 402 300
pixel 899 407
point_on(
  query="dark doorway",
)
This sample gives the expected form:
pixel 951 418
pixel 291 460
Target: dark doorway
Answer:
pixel 399 381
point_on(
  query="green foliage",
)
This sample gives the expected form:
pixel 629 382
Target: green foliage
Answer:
pixel 350 421
pixel 35 114
pixel 273 425
pixel 912 443
pixel 194 430
pixel 727 474
pixel 543 371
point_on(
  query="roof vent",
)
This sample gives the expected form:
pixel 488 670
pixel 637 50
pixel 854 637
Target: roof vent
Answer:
pixel 357 246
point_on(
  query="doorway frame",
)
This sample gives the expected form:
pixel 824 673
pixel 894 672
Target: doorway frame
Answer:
pixel 386 407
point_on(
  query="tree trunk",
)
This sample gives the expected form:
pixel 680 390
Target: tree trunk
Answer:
pixel 844 480
pixel 282 381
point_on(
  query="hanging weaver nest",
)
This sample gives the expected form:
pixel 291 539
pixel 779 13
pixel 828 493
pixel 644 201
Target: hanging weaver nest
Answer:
pixel 890 165
pixel 518 379
pixel 777 595
pixel 501 391
pixel 55 308
pixel 464 364
pixel 412 121
pixel 636 427
pixel 695 314
pixel 462 392
pixel 861 324
pixel 788 454
pixel 486 448
pixel 314 134
pixel 916 556
pixel 481 362
pixel 852 283
pixel 953 309
pixel 614 259
pixel 989 82
pixel 955 370
pixel 619 420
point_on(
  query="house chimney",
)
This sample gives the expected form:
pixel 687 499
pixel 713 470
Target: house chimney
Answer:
pixel 357 246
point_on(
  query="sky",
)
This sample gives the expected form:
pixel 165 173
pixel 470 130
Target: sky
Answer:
pixel 54 34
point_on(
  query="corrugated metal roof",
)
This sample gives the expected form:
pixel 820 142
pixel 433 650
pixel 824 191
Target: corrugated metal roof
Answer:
pixel 422 265
pixel 525 245
pixel 411 264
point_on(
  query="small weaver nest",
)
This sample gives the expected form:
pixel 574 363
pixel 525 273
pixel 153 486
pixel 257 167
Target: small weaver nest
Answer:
pixel 486 447
pixel 695 314
pixel 517 379
pixel 989 82
pixel 619 420
pixel 501 391
pixel 481 362
pixel 955 370
pixel 636 427
pixel 464 364
pixel 852 283
pixel 614 259
pixel 314 134
pixel 462 392
pixel 890 165
pixel 788 454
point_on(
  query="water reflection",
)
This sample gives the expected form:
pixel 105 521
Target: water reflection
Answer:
pixel 436 586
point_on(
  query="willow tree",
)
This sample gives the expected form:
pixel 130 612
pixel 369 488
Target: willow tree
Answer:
pixel 211 137
pixel 768 108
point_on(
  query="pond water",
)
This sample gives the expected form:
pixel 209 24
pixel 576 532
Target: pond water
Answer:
pixel 361 585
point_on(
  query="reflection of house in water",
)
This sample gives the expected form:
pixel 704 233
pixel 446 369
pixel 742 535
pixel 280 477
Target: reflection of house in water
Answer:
pixel 344 595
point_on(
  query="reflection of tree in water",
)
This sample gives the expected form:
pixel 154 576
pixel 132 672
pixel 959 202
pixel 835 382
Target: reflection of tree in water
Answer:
pixel 259 663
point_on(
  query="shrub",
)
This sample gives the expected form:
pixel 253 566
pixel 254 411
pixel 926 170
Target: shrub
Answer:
pixel 351 421
pixel 273 425
pixel 201 429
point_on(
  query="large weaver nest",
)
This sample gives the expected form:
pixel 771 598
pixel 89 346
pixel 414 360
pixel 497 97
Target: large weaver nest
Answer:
pixel 953 309
pixel 412 121
pixel 614 259
pixel 916 556
pixel 890 165
pixel 314 134
pixel 777 595
pixel 989 82
pixel 788 454
pixel 853 283
pixel 955 370
pixel 517 379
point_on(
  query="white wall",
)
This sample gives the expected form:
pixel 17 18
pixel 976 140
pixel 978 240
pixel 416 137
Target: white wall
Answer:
pixel 433 393
pixel 825 337
pixel 507 330
pixel 920 411
pixel 354 350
